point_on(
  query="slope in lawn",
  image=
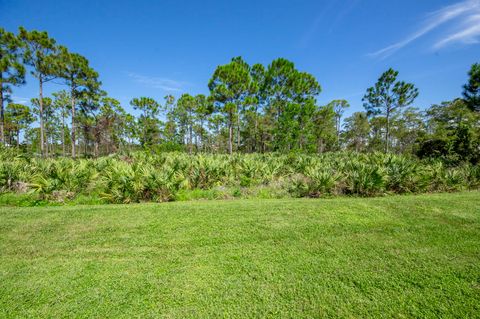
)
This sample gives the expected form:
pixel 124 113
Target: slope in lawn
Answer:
pixel 394 256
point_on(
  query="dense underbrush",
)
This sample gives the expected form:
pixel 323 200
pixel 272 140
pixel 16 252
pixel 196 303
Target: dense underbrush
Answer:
pixel 141 177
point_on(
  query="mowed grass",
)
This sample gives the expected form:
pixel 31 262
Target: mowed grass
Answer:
pixel 400 256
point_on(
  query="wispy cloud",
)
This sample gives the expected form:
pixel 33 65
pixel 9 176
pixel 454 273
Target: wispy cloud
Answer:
pixel 468 33
pixel 348 7
pixel 20 100
pixel 464 14
pixel 315 25
pixel 158 82
pixel 332 13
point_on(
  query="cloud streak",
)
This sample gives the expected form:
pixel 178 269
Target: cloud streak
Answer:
pixel 333 12
pixel 158 82
pixel 466 32
pixel 20 100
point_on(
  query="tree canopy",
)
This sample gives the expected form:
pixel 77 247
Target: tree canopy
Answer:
pixel 245 108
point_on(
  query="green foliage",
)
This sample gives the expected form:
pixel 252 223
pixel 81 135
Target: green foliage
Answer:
pixel 40 53
pixel 229 86
pixel 324 131
pixel 251 109
pixel 18 118
pixel 12 71
pixel 454 133
pixel 160 177
pixel 387 97
pixel 357 129
pixel 290 96
pixel 471 90
pixel 339 107
pixel 148 122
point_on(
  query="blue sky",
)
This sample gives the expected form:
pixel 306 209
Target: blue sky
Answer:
pixel 155 48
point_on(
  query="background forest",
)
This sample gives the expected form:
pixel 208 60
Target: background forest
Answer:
pixel 268 111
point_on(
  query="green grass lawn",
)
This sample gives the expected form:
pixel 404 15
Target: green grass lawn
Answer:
pixel 399 256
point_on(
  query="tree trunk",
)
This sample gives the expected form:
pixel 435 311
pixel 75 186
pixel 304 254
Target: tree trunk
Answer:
pixel 202 135
pixel 18 138
pixel 230 136
pixel 196 142
pixel 108 146
pixel 238 129
pixel 63 131
pixel 217 137
pixel 85 142
pixel 255 134
pixel 301 138
pixel 338 131
pixel 95 150
pixel 2 115
pixel 73 122
pixel 45 130
pixel 145 129
pixel 320 146
pixel 190 143
pixel 42 129
pixel 387 133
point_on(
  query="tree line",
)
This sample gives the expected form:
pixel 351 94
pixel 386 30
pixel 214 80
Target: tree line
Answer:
pixel 249 108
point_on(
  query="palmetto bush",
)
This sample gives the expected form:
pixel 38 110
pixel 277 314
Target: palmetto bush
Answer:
pixel 472 174
pixel 205 172
pixel 124 182
pixel 12 171
pixel 365 179
pixel 322 180
pixel 141 176
pixel 72 176
pixel 404 175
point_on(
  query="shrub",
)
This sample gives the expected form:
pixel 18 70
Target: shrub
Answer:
pixel 142 176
